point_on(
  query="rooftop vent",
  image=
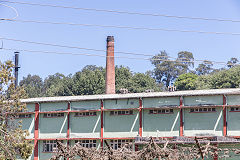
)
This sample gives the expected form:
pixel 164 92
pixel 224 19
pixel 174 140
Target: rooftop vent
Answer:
pixel 171 88
pixel 123 90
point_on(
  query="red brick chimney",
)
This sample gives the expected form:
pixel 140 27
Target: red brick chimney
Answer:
pixel 110 67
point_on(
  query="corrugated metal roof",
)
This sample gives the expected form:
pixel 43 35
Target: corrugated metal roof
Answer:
pixel 134 95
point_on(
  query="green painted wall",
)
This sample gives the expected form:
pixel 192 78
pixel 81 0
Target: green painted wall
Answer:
pixel 121 103
pixel 158 102
pixel 121 125
pixel 28 124
pixel 53 106
pixel 86 105
pixel 53 127
pixel 205 124
pixel 30 107
pixel 233 121
pixel 203 100
pixel 233 99
pixel 89 126
pixel 167 124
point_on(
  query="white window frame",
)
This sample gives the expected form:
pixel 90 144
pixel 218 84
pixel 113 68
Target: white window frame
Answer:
pixel 202 110
pixel 121 112
pixel 53 115
pixel 87 143
pixel 24 115
pixel 161 111
pixel 49 146
pixel 235 109
pixel 118 143
pixel 85 114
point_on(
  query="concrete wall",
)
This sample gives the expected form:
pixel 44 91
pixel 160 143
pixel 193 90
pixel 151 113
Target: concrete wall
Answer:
pixel 55 127
pixel 158 102
pixel 203 100
pixel 53 106
pixel 161 125
pixel 121 125
pixel 86 105
pixel 203 124
pixel 233 99
pixel 28 124
pixel 233 121
pixel 87 126
pixel 121 103
pixel 30 107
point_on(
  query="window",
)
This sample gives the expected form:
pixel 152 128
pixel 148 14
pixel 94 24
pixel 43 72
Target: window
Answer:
pixel 235 109
pixel 121 112
pixel 50 146
pixel 160 111
pixel 23 116
pixel 194 110
pixel 83 114
pixel 48 115
pixel 116 144
pixel 87 143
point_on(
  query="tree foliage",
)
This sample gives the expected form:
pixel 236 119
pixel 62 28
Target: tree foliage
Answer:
pixel 33 85
pixel 167 70
pixel 232 62
pixel 205 68
pixel 13 141
pixel 223 79
pixel 187 81
pixel 90 80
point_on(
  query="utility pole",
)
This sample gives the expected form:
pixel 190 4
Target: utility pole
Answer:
pixel 16 68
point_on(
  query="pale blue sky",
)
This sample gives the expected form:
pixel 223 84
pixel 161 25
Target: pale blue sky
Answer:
pixel 203 46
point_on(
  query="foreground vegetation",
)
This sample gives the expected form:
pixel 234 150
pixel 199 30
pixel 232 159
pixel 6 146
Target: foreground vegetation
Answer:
pixel 13 141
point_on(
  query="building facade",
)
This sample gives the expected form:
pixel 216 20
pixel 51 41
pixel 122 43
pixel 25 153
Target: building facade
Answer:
pixel 119 118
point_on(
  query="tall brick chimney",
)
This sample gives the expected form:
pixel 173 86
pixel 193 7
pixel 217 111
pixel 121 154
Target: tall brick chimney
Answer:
pixel 110 67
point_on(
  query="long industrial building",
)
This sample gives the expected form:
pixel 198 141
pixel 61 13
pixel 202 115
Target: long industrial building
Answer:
pixel 120 118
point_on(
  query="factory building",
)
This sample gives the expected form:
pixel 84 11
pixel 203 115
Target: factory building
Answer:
pixel 120 118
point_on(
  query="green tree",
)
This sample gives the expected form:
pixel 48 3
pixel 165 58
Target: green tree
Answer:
pixel 185 61
pixel 204 68
pixel 33 85
pixel 233 61
pixel 141 82
pixel 13 141
pixel 165 70
pixel 58 85
pixel 186 81
pixel 223 79
pixel 123 78
pixel 89 81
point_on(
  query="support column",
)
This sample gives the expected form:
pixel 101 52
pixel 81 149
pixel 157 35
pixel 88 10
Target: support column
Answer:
pixel 140 117
pixel 36 131
pixel 101 123
pixel 181 116
pixel 224 116
pixel 68 125
pixel 68 119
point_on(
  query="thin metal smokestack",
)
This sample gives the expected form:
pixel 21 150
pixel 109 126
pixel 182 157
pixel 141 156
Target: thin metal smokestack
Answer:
pixel 16 68
pixel 110 67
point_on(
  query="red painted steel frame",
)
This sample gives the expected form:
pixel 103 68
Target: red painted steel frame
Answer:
pixel 181 116
pixel 68 118
pixel 140 117
pixel 101 123
pixel 224 116
pixel 36 131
